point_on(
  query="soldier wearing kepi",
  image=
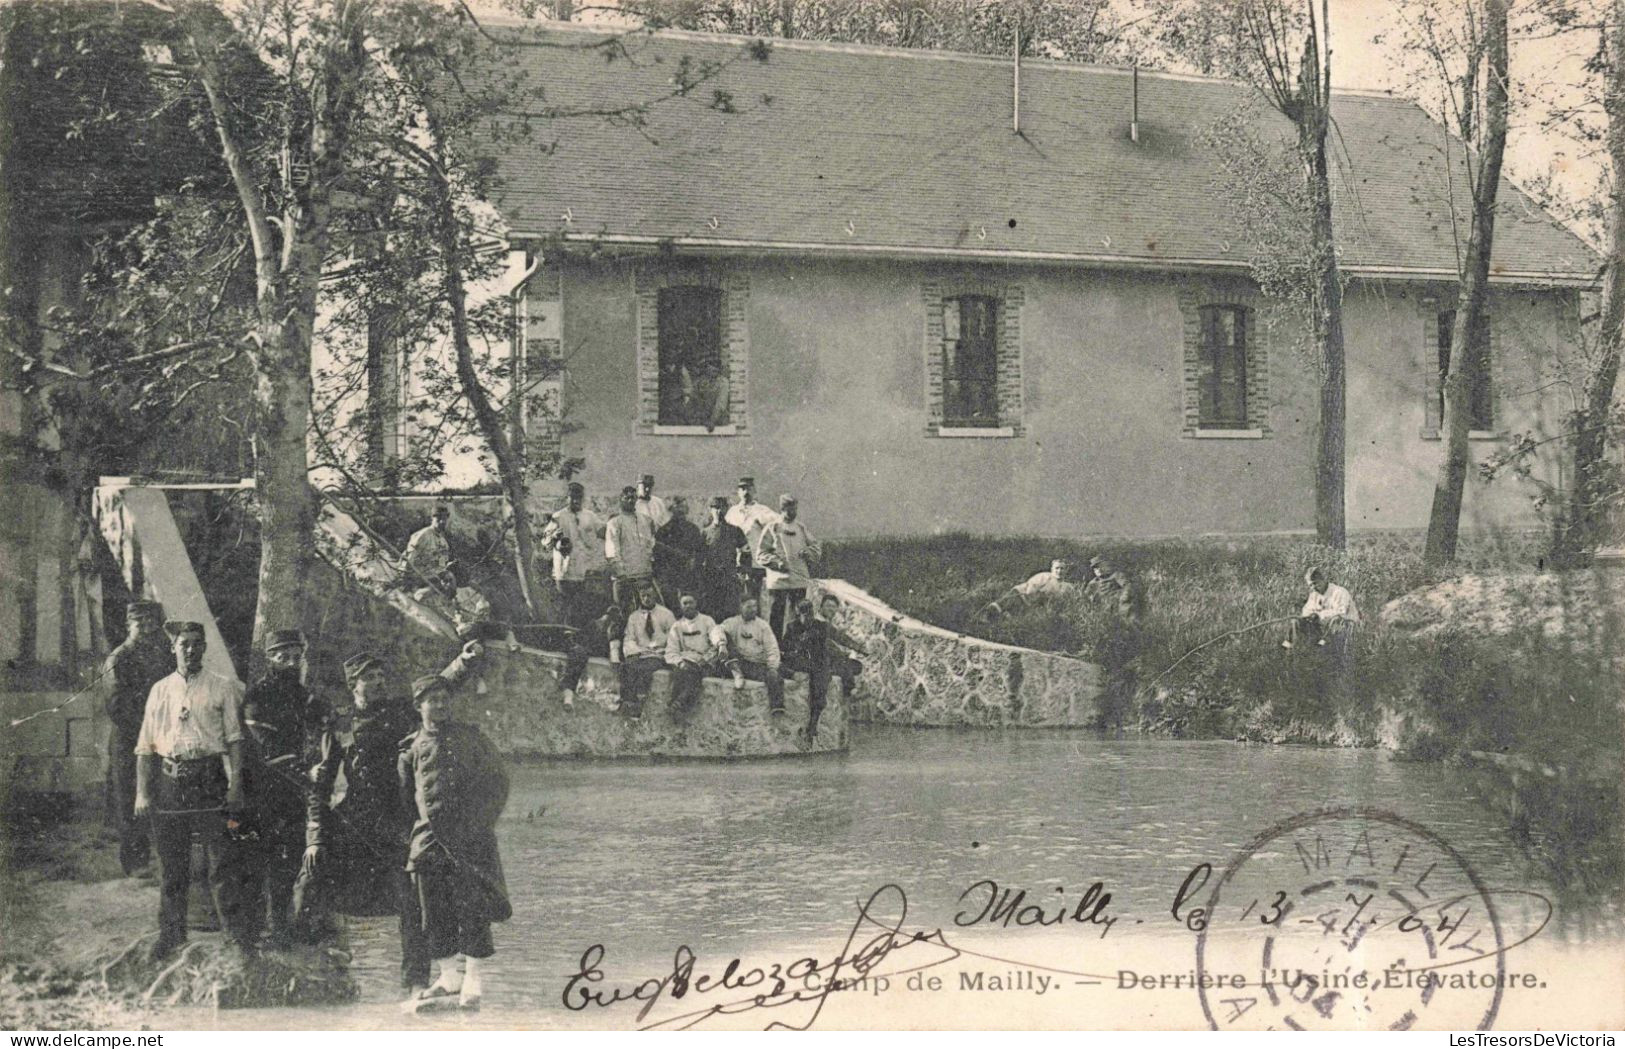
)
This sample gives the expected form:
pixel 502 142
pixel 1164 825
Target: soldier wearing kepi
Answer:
pixel 457 788
pixel 355 847
pixel 285 725
pixel 141 661
pixel 751 518
pixel 189 779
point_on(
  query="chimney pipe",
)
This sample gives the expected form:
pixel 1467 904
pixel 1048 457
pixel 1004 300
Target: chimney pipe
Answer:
pixel 1134 115
pixel 1015 92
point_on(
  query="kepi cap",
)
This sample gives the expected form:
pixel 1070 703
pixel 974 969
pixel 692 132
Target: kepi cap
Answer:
pixel 428 683
pixel 576 488
pixel 143 608
pixel 283 639
pixel 747 482
pixel 788 500
pixel 720 502
pixel 359 664
pixel 629 489
pixel 647 478
pixel 178 627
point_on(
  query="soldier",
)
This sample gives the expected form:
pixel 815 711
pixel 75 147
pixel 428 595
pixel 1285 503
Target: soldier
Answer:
pixel 629 547
pixel 814 647
pixel 643 651
pixel 651 505
pixel 355 847
pixel 748 648
pixel 787 552
pixel 457 788
pixel 752 518
pixel 428 552
pixel 690 651
pixel 572 534
pixel 679 550
pixel 141 661
pixel 285 726
pixel 189 780
pixel 720 580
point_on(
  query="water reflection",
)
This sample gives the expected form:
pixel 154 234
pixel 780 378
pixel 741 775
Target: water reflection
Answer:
pixel 768 855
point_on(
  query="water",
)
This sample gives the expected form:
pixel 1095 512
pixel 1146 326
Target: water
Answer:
pixel 770 857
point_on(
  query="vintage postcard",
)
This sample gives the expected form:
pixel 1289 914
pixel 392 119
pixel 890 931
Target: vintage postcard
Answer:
pixel 812 514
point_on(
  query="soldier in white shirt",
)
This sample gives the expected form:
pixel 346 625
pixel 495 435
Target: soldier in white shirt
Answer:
pixel 428 551
pixel 629 547
pixel 690 652
pixel 786 551
pixel 1060 579
pixel 1328 616
pixel 751 518
pixel 643 650
pixel 749 650
pixel 189 780
pixel 651 505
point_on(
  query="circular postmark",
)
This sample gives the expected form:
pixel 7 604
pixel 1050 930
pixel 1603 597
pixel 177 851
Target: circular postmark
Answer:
pixel 1349 919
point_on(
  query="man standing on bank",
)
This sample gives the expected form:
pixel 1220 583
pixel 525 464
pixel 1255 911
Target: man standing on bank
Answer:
pixel 454 783
pixel 629 546
pixel 572 533
pixel 141 661
pixel 189 780
pixel 787 552
pixel 285 724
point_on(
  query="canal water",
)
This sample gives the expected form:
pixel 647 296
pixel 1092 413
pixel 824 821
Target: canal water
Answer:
pixel 770 858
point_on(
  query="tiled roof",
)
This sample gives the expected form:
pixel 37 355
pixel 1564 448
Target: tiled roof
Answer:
pixel 853 149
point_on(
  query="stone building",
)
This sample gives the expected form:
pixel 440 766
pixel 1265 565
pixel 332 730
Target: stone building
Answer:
pixel 859 275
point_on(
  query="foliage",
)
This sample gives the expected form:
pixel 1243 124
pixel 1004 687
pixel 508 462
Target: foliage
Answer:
pixel 1075 30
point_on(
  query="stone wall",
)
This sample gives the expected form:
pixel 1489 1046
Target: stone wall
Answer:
pixel 918 674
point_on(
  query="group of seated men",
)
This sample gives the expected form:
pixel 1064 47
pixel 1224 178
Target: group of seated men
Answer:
pixel 650 589
pixel 254 776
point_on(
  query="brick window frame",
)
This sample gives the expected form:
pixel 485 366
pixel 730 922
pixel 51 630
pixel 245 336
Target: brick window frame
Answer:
pixel 937 296
pixel 1432 419
pixel 735 344
pixel 1193 299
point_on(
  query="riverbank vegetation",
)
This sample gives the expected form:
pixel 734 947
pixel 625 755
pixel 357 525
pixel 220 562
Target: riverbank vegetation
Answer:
pixel 1491 661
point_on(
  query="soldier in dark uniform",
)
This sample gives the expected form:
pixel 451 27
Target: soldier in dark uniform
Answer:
pixel 814 647
pixel 355 844
pixel 719 583
pixel 285 725
pixel 679 549
pixel 454 780
pixel 141 661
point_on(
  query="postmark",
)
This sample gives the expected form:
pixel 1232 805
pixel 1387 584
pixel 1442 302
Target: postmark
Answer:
pixel 1350 919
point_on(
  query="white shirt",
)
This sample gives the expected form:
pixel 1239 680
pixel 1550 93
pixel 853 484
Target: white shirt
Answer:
pixel 1335 603
pixel 752 641
pixel 646 632
pixel 791 543
pixel 751 520
pixel 655 509
pixel 195 718
pixel 1043 583
pixel 689 640
pixel 428 554
pixel 586 534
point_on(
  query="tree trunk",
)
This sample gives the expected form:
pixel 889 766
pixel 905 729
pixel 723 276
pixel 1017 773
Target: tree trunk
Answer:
pixel 1594 489
pixel 1444 524
pixel 510 459
pixel 1331 527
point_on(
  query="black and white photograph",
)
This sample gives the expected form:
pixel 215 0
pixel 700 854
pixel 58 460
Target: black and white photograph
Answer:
pixel 846 515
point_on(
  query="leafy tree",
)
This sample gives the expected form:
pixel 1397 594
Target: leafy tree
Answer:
pixel 1283 49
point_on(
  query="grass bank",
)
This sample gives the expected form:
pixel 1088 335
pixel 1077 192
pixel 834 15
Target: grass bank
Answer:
pixel 1490 662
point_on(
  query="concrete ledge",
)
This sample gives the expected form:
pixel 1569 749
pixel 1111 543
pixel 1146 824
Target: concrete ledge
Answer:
pixel 520 710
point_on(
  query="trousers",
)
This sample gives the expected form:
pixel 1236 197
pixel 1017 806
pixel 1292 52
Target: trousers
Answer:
pixel 191 800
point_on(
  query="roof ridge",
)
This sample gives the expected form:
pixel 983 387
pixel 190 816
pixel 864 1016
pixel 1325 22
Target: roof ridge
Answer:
pixel 917 53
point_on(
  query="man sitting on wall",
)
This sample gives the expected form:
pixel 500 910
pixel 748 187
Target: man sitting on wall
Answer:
pixel 747 646
pixel 643 651
pixel 1328 616
pixel 690 651
pixel 1060 579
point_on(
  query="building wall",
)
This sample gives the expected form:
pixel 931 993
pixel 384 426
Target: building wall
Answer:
pixel 837 404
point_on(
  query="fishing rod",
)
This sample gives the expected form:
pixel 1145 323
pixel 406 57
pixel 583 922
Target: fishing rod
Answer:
pixel 1215 640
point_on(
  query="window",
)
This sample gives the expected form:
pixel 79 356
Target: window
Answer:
pixel 970 361
pixel 692 378
pixel 1480 402
pixel 1222 369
